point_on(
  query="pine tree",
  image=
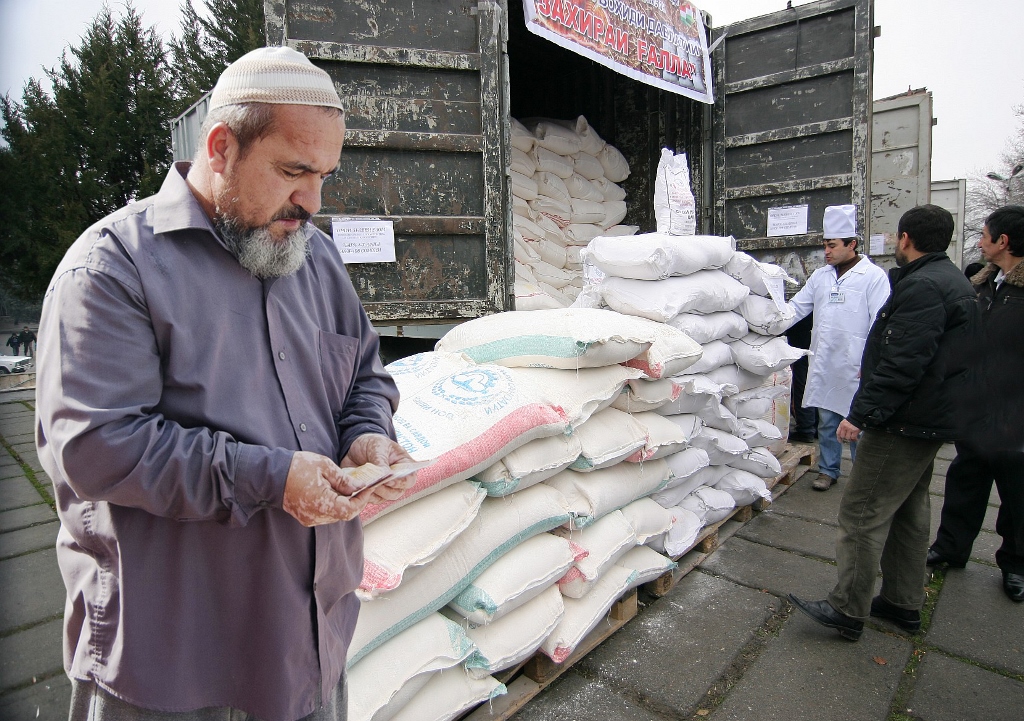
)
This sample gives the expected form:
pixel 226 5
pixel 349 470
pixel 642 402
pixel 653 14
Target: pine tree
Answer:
pixel 98 143
pixel 208 44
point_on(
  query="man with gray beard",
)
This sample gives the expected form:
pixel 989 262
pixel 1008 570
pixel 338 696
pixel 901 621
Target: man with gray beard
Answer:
pixel 211 409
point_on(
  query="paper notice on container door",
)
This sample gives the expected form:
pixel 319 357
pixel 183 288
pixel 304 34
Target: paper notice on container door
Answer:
pixel 787 220
pixel 364 241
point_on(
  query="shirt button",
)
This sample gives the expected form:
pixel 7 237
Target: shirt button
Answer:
pixel 281 355
pixel 302 427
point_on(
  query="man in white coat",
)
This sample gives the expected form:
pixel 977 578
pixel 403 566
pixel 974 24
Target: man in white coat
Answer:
pixel 844 295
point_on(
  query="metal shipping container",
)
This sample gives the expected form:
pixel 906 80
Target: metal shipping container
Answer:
pixel 431 86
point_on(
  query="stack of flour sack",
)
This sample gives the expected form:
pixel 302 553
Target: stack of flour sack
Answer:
pixel 539 509
pixel 564 193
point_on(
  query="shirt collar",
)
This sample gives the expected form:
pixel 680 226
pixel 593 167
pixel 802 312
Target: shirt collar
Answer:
pixel 175 207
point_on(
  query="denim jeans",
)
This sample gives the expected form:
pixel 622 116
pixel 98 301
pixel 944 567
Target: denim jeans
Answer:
pixel 831 450
pixel 884 520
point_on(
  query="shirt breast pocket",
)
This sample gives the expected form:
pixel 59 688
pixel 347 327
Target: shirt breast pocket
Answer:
pixel 339 356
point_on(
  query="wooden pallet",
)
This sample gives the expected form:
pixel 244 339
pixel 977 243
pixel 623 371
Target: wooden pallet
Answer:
pixel 536 674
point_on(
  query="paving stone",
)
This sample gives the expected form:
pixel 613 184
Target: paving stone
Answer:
pixel 31 459
pixel 802 501
pixel 984 548
pixel 35 652
pixel 11 471
pixel 810 673
pixel 950 690
pixel 33 538
pixel 24 517
pixel 17 493
pixel 778 572
pixel 573 697
pixel 32 589
pixel 974 619
pixel 21 438
pixel 947 452
pixel 808 538
pixel 674 650
pixel 47 699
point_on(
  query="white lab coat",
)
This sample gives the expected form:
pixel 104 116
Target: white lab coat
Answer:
pixel 840 330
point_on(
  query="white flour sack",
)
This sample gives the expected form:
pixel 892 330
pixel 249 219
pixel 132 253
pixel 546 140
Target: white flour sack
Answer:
pixel 716 415
pixel 715 354
pixel 758 461
pixel 781 383
pixel 616 169
pixel 551 162
pixel 560 213
pixel 758 432
pixel 671 351
pixel 608 437
pixel 710 504
pixel 684 466
pixel 647 394
pixel 655 256
pixel 552 186
pixel 584 614
pixel 517 577
pixel 697 391
pixel 580 187
pixel 588 166
pixel 385 680
pixel 555 136
pixel 646 564
pixel 529 296
pixel 686 528
pixel 757 275
pixel 514 638
pixel 569 338
pixel 610 190
pixel 579 394
pixel 414 534
pixel 447 695
pixel 522 162
pixel 580 234
pixel 722 447
pixel 522 138
pixel 743 486
pixel 500 525
pixel 764 316
pixel 764 355
pixel 664 438
pixel 592 495
pixel 706 291
pixel 756 402
pixel 647 518
pixel 703 329
pixel 523 186
pixel 675 211
pixel 464 422
pixel 416 372
pixel 605 541
pixel 530 464
pixel 709 476
pixel 735 378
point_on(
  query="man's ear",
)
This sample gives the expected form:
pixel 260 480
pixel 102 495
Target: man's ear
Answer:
pixel 221 147
pixel 1003 240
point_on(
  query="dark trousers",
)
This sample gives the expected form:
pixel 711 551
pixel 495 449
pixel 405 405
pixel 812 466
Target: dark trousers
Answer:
pixel 805 420
pixel 968 486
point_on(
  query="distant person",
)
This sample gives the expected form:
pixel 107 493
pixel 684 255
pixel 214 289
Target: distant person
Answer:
pixel 973 269
pixel 14 342
pixel 916 376
pixel 804 419
pixel 28 339
pixel 844 295
pixel 994 450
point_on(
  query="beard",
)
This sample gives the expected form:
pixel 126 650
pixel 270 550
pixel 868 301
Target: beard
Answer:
pixel 258 251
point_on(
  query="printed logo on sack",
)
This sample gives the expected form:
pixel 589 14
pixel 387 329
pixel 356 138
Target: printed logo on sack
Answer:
pixel 419 365
pixel 476 387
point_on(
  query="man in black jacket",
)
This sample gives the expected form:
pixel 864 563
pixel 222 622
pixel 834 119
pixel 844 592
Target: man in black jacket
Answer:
pixel 994 450
pixel 914 376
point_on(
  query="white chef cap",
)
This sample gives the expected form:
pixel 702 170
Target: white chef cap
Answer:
pixel 840 221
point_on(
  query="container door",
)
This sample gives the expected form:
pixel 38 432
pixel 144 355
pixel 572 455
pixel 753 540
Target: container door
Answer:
pixel 901 166
pixel 792 125
pixel 427 114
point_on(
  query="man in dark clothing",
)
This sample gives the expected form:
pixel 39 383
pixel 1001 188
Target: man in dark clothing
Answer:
pixel 994 450
pixel 14 342
pixel 915 372
pixel 27 338
pixel 805 418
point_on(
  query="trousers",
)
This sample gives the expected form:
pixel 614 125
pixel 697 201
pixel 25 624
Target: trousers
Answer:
pixel 884 520
pixel 90 702
pixel 830 447
pixel 968 486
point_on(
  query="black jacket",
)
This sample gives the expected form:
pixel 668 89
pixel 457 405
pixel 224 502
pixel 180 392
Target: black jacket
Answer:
pixel 1002 360
pixel 917 368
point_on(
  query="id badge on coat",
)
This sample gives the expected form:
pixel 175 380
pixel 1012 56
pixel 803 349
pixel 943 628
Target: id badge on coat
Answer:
pixel 836 296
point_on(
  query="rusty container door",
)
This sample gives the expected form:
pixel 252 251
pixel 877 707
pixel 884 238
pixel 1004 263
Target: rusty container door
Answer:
pixel 793 124
pixel 427 118
pixel 901 165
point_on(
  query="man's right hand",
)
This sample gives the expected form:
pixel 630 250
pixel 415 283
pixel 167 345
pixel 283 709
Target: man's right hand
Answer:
pixel 318 492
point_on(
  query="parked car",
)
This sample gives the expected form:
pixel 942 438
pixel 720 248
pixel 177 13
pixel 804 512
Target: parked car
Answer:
pixel 14 364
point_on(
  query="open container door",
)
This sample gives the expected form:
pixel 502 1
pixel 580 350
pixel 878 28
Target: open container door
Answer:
pixel 427 114
pixel 792 125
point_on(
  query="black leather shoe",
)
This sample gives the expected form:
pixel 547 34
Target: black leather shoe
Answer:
pixel 826 615
pixel 907 620
pixel 937 559
pixel 1013 585
pixel 801 438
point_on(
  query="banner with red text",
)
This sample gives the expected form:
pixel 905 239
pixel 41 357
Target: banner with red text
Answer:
pixel 658 42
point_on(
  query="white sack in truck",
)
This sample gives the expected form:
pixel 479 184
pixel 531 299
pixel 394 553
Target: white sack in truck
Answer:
pixel 522 162
pixel 580 187
pixel 675 211
pixel 610 190
pixel 616 169
pixel 552 186
pixel 589 167
pixel 553 162
pixel 522 138
pixel 522 186
pixel 555 136
pixel 530 297
pixel 556 210
pixel 655 256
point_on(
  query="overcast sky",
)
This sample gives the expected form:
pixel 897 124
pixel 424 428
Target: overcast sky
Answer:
pixel 966 53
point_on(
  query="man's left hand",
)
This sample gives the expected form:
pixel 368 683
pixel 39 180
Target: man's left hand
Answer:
pixel 847 432
pixel 380 451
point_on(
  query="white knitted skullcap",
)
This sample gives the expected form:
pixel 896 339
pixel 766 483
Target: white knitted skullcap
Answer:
pixel 275 75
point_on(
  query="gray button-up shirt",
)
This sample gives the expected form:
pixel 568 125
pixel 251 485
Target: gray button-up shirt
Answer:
pixel 172 389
